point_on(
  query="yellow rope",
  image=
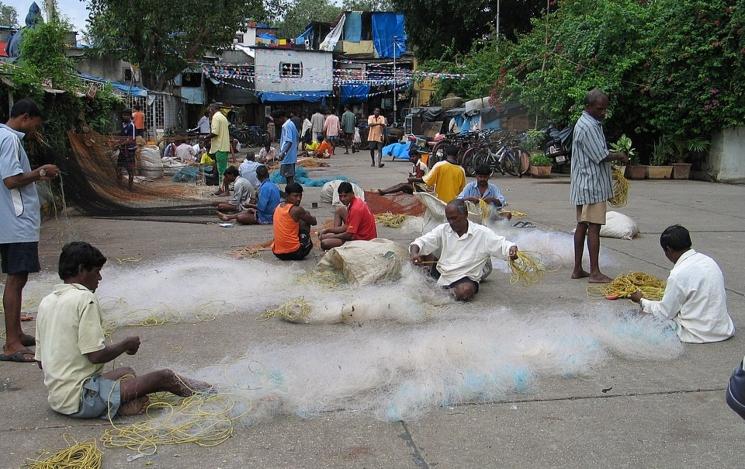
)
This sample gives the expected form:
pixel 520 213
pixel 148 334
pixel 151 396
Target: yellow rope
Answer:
pixel 624 285
pixel 295 310
pixel 620 189
pixel 122 260
pixel 150 317
pixel 526 269
pixel 515 213
pixel 391 220
pixel 84 455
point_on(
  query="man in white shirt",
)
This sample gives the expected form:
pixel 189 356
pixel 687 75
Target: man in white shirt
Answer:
pixel 242 190
pixel 465 251
pixel 695 301
pixel 247 170
pixel 317 120
pixel 186 153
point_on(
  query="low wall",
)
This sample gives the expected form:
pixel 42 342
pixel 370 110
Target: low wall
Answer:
pixel 726 161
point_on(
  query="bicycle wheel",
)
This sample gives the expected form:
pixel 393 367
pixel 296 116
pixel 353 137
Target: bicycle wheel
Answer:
pixel 438 154
pixel 511 163
pixel 468 161
pixel 524 161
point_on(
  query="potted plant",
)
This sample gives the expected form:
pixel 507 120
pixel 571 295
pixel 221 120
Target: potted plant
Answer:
pixel 660 167
pixel 634 170
pixel 682 167
pixel 540 165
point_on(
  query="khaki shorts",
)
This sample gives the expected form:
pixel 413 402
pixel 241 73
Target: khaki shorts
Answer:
pixel 592 213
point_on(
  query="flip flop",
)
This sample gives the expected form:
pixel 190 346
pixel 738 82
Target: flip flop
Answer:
pixel 18 357
pixel 26 317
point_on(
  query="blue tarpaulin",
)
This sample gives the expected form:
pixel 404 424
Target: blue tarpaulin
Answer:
pixel 307 35
pixel 123 87
pixel 301 177
pixel 354 93
pixel 400 151
pixel 386 27
pixel 290 96
pixel 353 27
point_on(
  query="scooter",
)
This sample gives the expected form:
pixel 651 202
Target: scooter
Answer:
pixel 558 145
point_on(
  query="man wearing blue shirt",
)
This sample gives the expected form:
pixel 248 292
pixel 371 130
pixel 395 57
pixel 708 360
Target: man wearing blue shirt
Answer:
pixel 482 189
pixel 267 200
pixel 287 146
pixel 19 222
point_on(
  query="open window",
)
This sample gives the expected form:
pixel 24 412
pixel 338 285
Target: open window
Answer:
pixel 290 70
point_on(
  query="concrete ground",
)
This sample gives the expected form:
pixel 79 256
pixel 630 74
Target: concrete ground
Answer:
pixel 623 414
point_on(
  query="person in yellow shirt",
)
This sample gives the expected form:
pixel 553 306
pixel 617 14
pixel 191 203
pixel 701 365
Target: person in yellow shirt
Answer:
pixel 220 143
pixel 447 177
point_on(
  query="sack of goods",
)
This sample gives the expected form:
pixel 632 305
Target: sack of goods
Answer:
pixel 150 163
pixel 366 262
pixel 617 225
pixel 434 214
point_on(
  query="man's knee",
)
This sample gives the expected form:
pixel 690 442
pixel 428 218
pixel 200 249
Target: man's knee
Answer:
pixel 167 376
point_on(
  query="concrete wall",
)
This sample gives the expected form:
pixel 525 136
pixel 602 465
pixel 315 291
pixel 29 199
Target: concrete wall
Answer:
pixel 727 156
pixel 106 67
pixel 317 70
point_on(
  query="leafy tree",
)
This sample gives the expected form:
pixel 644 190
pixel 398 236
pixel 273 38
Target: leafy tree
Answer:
pixel 367 5
pixel 301 12
pixel 8 15
pixel 433 26
pixel 162 37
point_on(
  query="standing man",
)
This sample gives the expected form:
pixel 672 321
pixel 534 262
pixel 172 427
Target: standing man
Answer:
pixel 331 128
pixel 348 123
pixel 591 184
pixel 138 118
pixel 317 120
pixel 127 149
pixel 203 125
pixel 376 125
pixel 220 144
pixel 287 146
pixel 19 222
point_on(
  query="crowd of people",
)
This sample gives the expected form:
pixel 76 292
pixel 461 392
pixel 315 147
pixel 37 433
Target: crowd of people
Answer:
pixel 69 339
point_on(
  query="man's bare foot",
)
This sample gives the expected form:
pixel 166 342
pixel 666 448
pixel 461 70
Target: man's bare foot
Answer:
pixel 599 278
pixel 222 216
pixel 192 386
pixel 580 274
pixel 134 407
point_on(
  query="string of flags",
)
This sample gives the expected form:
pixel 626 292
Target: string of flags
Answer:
pixel 341 76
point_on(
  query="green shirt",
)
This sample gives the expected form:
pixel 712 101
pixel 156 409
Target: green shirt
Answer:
pixel 348 122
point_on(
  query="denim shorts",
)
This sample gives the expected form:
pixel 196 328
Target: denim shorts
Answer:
pixel 101 398
pixel 19 258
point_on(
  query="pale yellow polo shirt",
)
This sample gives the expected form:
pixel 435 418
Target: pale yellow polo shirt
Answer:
pixel 68 326
pixel 221 129
pixel 447 178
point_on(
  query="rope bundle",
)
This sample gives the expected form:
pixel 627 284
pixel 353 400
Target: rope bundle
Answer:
pixel 391 220
pixel 515 213
pixel 526 269
pixel 624 285
pixel 84 455
pixel 620 189
pixel 295 310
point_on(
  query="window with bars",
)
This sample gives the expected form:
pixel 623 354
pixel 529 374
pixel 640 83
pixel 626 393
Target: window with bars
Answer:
pixel 290 70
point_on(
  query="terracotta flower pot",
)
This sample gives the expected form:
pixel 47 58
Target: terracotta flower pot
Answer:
pixel 660 172
pixel 540 171
pixel 681 170
pixel 636 172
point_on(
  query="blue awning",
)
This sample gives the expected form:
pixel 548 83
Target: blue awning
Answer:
pixel 119 86
pixel 354 93
pixel 290 96
pixel 386 27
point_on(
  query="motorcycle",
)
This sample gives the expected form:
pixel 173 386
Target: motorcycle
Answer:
pixel 558 145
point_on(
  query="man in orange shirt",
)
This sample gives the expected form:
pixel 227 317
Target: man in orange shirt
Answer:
pixel 376 127
pixel 292 226
pixel 352 221
pixel 138 119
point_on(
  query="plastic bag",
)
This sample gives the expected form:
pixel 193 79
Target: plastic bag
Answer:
pixel 617 225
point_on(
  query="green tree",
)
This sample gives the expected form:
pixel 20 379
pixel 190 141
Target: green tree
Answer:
pixel 162 37
pixel 8 15
pixel 301 12
pixel 367 5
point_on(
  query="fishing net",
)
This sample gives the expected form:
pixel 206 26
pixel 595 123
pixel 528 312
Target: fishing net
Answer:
pixel 400 204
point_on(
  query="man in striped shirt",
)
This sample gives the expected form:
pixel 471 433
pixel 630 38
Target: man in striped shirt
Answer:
pixel 591 184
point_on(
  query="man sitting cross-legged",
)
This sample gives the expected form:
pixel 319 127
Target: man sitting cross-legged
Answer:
pixel 352 221
pixel 71 349
pixel 268 198
pixel 242 189
pixel 292 226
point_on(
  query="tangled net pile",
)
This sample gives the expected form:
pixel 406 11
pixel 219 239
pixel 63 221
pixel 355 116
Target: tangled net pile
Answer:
pixel 295 310
pixel 624 285
pixel 620 189
pixel 526 269
pixel 202 419
pixel 391 220
pixel 84 455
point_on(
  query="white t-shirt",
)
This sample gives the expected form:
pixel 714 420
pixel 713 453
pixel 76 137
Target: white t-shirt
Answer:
pixel 242 190
pixel 185 153
pixel 68 326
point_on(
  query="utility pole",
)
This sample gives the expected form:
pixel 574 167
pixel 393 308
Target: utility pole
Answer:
pixel 395 83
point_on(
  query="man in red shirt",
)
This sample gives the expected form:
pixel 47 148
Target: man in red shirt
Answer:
pixel 353 221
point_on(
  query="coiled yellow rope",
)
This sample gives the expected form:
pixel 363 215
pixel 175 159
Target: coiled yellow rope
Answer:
pixel 526 269
pixel 515 213
pixel 295 310
pixel 84 455
pixel 391 220
pixel 624 285
pixel 620 189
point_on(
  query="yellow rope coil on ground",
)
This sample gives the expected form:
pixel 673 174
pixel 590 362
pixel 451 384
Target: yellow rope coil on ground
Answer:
pixel 526 269
pixel 515 213
pixel 624 285
pixel 150 317
pixel 620 189
pixel 84 455
pixel 201 419
pixel 295 310
pixel 391 220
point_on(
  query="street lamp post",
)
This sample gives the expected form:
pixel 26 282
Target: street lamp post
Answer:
pixel 395 84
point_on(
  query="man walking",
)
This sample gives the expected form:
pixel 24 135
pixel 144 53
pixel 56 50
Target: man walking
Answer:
pixel 19 222
pixel 287 146
pixel 348 123
pixel 331 128
pixel 376 127
pixel 591 184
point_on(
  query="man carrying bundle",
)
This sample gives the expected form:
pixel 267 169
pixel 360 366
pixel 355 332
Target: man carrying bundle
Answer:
pixel 465 251
pixel 695 301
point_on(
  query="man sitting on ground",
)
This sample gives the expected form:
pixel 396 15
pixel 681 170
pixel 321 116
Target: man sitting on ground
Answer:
pixel 248 168
pixel 415 177
pixel 324 149
pixel 242 190
pixel 447 177
pixel 267 154
pixel 292 226
pixel 466 250
pixel 482 189
pixel 352 221
pixel 186 153
pixel 695 301
pixel 261 213
pixel 71 349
